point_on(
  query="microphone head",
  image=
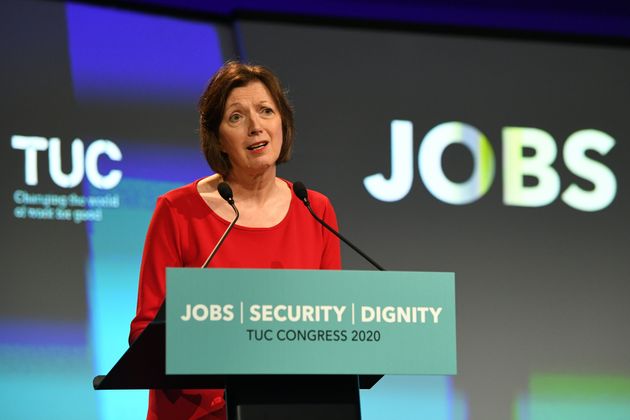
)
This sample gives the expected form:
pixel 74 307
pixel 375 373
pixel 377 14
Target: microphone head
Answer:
pixel 226 192
pixel 300 191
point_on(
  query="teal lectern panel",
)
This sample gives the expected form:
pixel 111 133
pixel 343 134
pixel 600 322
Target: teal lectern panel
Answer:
pixel 235 321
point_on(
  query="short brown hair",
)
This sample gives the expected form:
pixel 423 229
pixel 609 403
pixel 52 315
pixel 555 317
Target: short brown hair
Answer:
pixel 212 107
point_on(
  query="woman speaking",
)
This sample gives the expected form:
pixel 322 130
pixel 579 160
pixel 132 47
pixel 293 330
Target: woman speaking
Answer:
pixel 246 126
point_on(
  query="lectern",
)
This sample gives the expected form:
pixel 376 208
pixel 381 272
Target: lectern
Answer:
pixel 289 344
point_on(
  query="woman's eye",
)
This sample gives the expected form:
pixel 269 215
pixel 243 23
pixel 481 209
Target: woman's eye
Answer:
pixel 267 111
pixel 234 118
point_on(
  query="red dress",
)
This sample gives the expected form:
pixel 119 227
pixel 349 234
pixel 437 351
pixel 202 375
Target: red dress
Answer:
pixel 183 232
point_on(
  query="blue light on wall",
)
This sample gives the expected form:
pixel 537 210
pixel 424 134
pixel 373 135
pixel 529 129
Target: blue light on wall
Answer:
pixel 119 56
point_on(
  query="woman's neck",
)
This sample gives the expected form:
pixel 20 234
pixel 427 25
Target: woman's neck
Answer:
pixel 262 201
pixel 257 188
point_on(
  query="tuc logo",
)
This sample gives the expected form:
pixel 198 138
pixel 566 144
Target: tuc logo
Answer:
pixel 84 161
pixel 516 166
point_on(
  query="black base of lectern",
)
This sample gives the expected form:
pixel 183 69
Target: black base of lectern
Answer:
pixel 288 397
pixel 249 397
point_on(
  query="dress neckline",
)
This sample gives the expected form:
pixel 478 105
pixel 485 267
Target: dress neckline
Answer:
pixel 214 214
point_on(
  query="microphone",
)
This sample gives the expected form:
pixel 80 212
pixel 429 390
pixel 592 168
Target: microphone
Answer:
pixel 300 191
pixel 226 193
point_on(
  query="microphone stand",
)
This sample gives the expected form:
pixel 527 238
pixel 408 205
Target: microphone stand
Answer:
pixel 302 194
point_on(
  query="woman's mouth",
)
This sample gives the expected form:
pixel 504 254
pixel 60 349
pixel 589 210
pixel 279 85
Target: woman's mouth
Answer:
pixel 257 146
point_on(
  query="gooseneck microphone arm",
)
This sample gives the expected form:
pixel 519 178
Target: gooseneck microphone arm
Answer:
pixel 226 193
pixel 300 191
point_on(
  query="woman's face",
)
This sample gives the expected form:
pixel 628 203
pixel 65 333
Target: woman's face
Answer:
pixel 250 132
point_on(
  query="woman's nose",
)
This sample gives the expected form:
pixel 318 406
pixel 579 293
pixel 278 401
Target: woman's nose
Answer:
pixel 254 125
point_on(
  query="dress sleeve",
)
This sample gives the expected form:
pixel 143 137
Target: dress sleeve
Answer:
pixel 331 255
pixel 161 250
